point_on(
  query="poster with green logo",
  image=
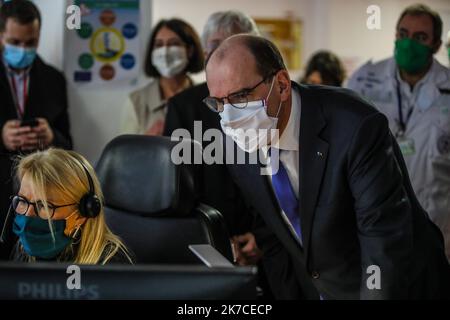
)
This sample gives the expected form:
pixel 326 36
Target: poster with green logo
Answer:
pixel 105 47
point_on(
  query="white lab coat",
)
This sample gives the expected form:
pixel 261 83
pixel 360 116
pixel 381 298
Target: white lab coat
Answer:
pixel 428 130
pixel 144 107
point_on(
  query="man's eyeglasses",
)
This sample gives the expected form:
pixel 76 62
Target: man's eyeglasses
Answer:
pixel 238 99
pixel 21 205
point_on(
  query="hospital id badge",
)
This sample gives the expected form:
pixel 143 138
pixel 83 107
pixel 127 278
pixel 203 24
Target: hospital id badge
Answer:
pixel 407 146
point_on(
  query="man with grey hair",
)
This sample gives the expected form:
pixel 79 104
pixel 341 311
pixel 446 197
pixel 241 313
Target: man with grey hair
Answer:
pixel 222 24
pixel 216 186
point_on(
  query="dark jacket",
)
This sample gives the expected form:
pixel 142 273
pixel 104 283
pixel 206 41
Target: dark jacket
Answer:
pixel 216 188
pixel 47 98
pixel 357 209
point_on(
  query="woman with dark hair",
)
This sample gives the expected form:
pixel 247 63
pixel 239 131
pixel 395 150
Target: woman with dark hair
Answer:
pixel 324 68
pixel 174 50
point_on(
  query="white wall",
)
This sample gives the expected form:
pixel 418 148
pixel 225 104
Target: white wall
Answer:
pixel 338 25
pixel 94 113
pixel 350 38
pixel 196 12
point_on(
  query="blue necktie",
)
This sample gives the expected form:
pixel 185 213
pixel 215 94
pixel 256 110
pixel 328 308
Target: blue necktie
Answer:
pixel 286 198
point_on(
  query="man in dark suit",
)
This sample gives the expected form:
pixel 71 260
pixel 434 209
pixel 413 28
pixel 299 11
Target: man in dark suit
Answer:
pixel 217 189
pixel 33 113
pixel 186 110
pixel 339 200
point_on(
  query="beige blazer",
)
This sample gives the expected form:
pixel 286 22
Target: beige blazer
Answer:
pixel 144 107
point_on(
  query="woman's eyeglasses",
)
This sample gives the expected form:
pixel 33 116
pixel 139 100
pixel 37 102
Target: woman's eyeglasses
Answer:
pixel 21 205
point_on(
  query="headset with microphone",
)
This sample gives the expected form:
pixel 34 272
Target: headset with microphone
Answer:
pixel 89 205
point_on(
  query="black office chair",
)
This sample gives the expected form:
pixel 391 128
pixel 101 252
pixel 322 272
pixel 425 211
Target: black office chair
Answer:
pixel 151 203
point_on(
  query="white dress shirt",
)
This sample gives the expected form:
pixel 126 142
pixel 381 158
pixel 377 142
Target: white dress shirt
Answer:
pixel 288 145
pixel 17 88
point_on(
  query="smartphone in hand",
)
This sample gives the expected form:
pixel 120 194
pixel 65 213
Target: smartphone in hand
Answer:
pixel 29 123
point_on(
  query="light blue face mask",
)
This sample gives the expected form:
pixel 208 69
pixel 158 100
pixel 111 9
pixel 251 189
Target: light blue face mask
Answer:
pixel 240 120
pixel 36 238
pixel 18 57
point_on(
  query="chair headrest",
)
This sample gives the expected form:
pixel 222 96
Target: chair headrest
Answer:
pixel 138 176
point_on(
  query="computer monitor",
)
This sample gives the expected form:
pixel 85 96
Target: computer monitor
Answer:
pixel 50 281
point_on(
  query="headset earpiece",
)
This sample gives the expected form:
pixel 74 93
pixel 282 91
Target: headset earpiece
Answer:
pixel 89 205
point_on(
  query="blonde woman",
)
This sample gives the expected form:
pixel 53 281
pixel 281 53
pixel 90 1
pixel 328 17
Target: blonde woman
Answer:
pixel 59 214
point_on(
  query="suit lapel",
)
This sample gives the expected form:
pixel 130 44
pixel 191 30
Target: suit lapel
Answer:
pixel 313 159
pixel 29 107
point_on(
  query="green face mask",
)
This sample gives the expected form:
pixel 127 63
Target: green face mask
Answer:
pixel 411 56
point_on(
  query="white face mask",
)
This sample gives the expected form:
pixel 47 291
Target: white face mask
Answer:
pixel 251 128
pixel 170 61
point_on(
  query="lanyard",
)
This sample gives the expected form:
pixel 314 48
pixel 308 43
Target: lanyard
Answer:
pixel 402 122
pixel 20 108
